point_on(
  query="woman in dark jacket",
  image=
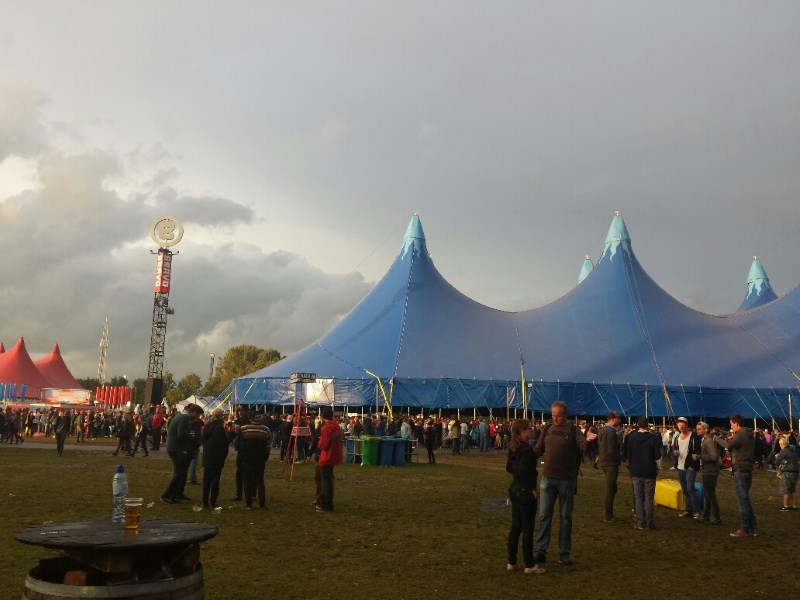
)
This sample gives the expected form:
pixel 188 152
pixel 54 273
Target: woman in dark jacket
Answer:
pixel 215 451
pixel 523 494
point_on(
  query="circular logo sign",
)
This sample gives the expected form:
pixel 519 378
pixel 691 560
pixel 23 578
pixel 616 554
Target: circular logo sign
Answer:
pixel 166 231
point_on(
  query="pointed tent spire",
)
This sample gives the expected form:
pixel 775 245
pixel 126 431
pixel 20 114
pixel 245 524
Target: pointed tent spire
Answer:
pixel 617 236
pixel 587 268
pixel 759 291
pixel 414 238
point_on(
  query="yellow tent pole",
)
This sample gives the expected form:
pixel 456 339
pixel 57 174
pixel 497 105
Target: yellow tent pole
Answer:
pixel 386 401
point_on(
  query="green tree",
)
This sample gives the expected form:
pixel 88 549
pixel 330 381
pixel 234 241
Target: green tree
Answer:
pixel 239 361
pixel 118 381
pixel 138 389
pixel 89 383
pixel 169 389
pixel 190 385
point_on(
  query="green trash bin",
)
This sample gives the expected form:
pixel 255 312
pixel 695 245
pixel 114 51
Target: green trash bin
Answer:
pixel 370 446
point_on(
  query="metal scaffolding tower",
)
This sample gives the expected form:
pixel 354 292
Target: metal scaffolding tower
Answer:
pixel 101 367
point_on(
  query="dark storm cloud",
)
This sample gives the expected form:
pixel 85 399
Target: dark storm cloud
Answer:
pixel 76 251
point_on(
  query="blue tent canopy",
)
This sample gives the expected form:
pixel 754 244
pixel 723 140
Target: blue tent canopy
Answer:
pixel 615 342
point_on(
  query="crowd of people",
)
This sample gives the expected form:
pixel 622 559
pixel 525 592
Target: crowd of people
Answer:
pixel 644 449
pixel 695 453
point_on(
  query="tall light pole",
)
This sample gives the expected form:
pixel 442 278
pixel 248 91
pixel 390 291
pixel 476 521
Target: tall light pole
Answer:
pixel 211 365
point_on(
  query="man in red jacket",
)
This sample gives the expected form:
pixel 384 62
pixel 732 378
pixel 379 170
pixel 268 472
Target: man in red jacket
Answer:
pixel 330 445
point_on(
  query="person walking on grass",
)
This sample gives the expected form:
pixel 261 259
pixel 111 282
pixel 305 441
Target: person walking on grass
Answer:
pixel 215 450
pixel 710 454
pixel 686 448
pixel 786 463
pixel 180 447
pixel 643 453
pixel 255 447
pixel 562 445
pixel 522 492
pixel 330 455
pixel 63 425
pixel 608 459
pixel 742 447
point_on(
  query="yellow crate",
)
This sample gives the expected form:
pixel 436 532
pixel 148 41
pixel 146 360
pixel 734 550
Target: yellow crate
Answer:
pixel 669 494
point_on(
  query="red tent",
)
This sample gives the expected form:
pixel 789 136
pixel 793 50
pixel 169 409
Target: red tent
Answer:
pixel 16 367
pixel 56 372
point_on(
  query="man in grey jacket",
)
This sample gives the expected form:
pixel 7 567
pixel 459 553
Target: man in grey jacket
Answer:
pixel 742 447
pixel 608 459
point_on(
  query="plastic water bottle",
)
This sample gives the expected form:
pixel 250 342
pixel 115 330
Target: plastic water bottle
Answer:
pixel 120 489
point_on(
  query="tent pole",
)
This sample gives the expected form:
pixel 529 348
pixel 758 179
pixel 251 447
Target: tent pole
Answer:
pixel 790 411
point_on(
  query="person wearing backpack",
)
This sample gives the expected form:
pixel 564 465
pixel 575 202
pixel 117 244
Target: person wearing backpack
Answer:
pixel 522 493
pixel 562 445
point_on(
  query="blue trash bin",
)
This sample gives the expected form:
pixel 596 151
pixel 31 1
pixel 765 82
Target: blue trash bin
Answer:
pixel 386 452
pixel 350 449
pixel 400 445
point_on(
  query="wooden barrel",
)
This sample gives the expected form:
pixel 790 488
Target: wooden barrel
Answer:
pixel 189 587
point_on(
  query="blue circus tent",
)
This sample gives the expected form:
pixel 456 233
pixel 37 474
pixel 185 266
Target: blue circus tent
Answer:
pixel 615 342
pixel 759 291
pixel 618 341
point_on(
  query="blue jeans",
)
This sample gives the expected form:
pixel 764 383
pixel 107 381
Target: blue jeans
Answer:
pixel 741 482
pixel 687 479
pixel 550 489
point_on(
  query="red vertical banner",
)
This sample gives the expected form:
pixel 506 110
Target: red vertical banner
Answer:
pixel 163 272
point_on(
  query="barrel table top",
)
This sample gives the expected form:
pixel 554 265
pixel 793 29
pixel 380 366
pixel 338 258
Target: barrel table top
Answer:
pixel 108 536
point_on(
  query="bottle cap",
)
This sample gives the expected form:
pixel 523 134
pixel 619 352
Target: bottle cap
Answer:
pixel 120 468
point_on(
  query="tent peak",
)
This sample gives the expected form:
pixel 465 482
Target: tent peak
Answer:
pixel 587 268
pixel 759 290
pixel 414 237
pixel 757 272
pixel 617 236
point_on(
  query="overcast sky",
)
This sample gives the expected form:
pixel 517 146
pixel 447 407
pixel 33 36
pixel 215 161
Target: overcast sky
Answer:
pixel 296 139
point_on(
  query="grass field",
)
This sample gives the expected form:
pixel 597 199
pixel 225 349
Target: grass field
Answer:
pixel 417 531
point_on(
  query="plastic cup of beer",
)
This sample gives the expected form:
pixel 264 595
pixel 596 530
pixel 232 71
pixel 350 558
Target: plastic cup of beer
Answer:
pixel 133 513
